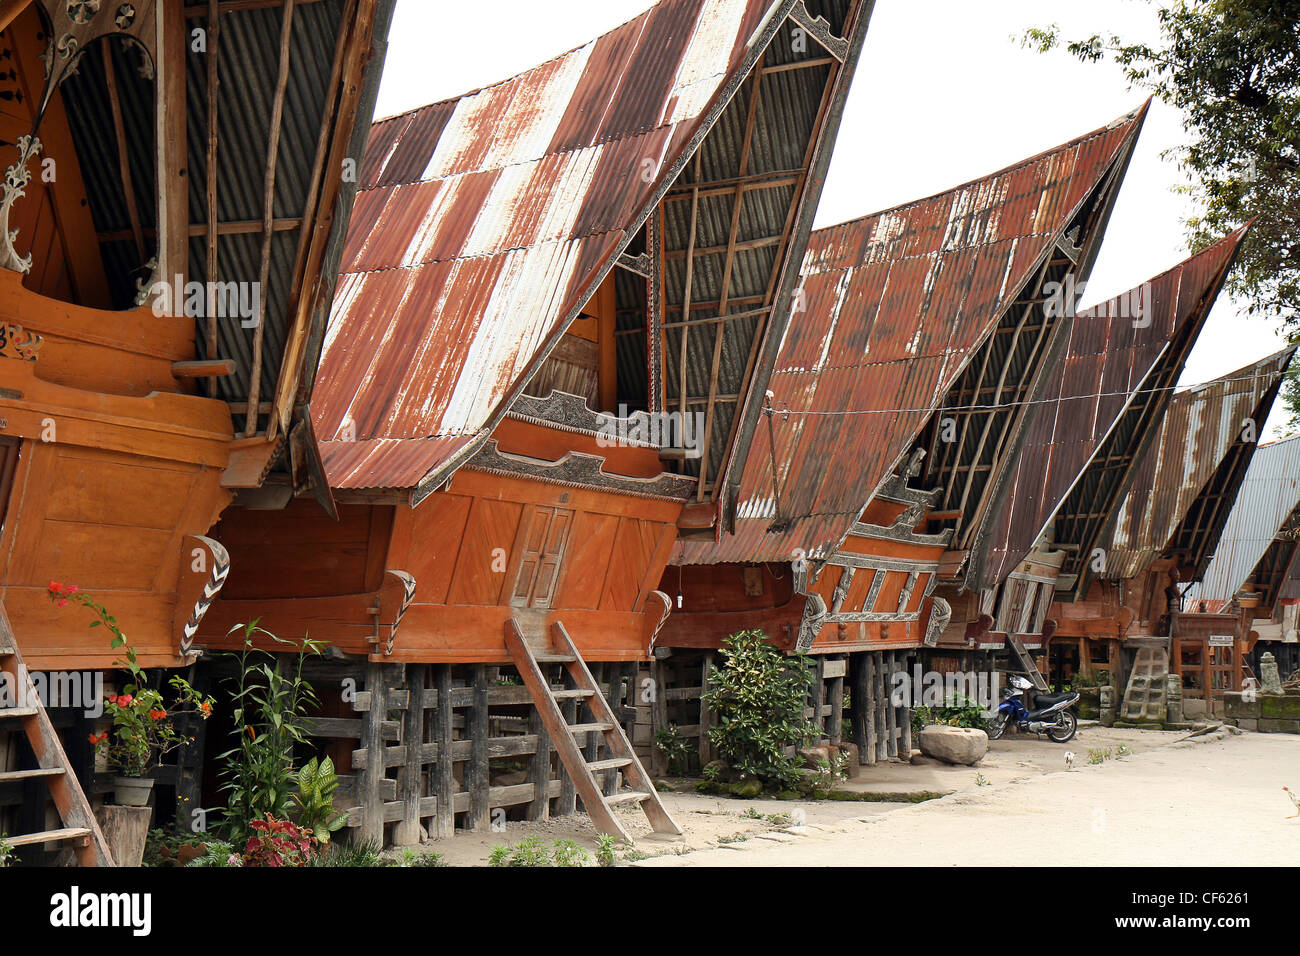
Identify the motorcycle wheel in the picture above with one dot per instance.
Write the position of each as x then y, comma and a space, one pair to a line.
995, 727
1064, 728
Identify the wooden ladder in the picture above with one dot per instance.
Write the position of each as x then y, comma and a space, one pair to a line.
582, 772
1027, 665
80, 828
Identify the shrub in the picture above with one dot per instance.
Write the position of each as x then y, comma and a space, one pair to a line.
605, 845
759, 695
317, 782
270, 714
278, 843
675, 748
7, 855
219, 854
533, 851
355, 854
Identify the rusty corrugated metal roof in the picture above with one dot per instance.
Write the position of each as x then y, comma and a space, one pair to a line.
1108, 357
485, 222
894, 305
1201, 433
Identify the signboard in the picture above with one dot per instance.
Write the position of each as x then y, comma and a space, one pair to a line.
1221, 640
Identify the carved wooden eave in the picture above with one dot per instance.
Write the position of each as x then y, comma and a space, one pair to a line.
578, 470
568, 412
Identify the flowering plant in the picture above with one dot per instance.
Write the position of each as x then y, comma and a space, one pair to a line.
144, 723
278, 843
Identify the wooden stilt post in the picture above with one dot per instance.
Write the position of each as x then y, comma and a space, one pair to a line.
477, 772
891, 712
835, 719
905, 725
869, 661
857, 675
706, 712
410, 784
819, 697
445, 823
882, 705
568, 800
372, 741
539, 769
658, 714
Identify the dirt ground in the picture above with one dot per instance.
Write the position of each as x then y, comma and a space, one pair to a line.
1156, 801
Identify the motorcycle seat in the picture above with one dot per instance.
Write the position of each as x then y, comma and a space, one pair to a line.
1043, 701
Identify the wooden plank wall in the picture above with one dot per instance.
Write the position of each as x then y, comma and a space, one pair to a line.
880, 729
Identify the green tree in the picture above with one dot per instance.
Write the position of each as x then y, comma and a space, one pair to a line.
1232, 67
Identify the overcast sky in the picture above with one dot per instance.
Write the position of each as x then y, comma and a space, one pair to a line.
943, 95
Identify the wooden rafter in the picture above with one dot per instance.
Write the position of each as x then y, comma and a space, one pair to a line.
719, 331
123, 156
268, 208
214, 37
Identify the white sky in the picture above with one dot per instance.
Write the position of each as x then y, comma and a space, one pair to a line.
943, 95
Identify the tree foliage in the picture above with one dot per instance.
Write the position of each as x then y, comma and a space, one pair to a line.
1232, 67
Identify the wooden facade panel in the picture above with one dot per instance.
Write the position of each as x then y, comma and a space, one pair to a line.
634, 546
102, 488
918, 592
583, 581
489, 532
827, 582
426, 543
75, 551
544, 535
890, 592
859, 590
298, 551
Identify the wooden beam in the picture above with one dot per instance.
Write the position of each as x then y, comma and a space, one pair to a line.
268, 208
204, 368
9, 10
172, 145
123, 157
214, 37
236, 6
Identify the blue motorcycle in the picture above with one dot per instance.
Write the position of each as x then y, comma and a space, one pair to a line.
1051, 714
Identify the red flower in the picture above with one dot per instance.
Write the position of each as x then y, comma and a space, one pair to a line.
56, 587
252, 734
97, 739
157, 714
206, 707
112, 698
126, 700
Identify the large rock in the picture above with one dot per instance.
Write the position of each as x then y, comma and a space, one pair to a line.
957, 745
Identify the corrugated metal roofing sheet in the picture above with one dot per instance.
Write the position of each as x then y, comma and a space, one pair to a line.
1200, 428
1269, 493
484, 223
1107, 358
894, 304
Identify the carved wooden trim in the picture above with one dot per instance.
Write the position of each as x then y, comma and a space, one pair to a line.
18, 343
814, 616
408, 595
820, 30
940, 615
211, 588
576, 470
16, 179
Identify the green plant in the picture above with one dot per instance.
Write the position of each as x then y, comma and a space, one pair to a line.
758, 695
358, 853
410, 858
1123, 751
278, 843
982, 781
533, 851
605, 845
317, 782
144, 722
270, 715
711, 772
163, 845
675, 748
7, 855
752, 814
1097, 756
827, 773
780, 820
219, 853
734, 838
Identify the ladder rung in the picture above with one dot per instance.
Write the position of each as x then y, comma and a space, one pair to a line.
49, 836
577, 693
613, 763
589, 728
631, 796
547, 657
10, 712
14, 775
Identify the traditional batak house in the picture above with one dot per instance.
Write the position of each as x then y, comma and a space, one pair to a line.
559, 304
1125, 605
1113, 386
899, 401
172, 211
1251, 581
